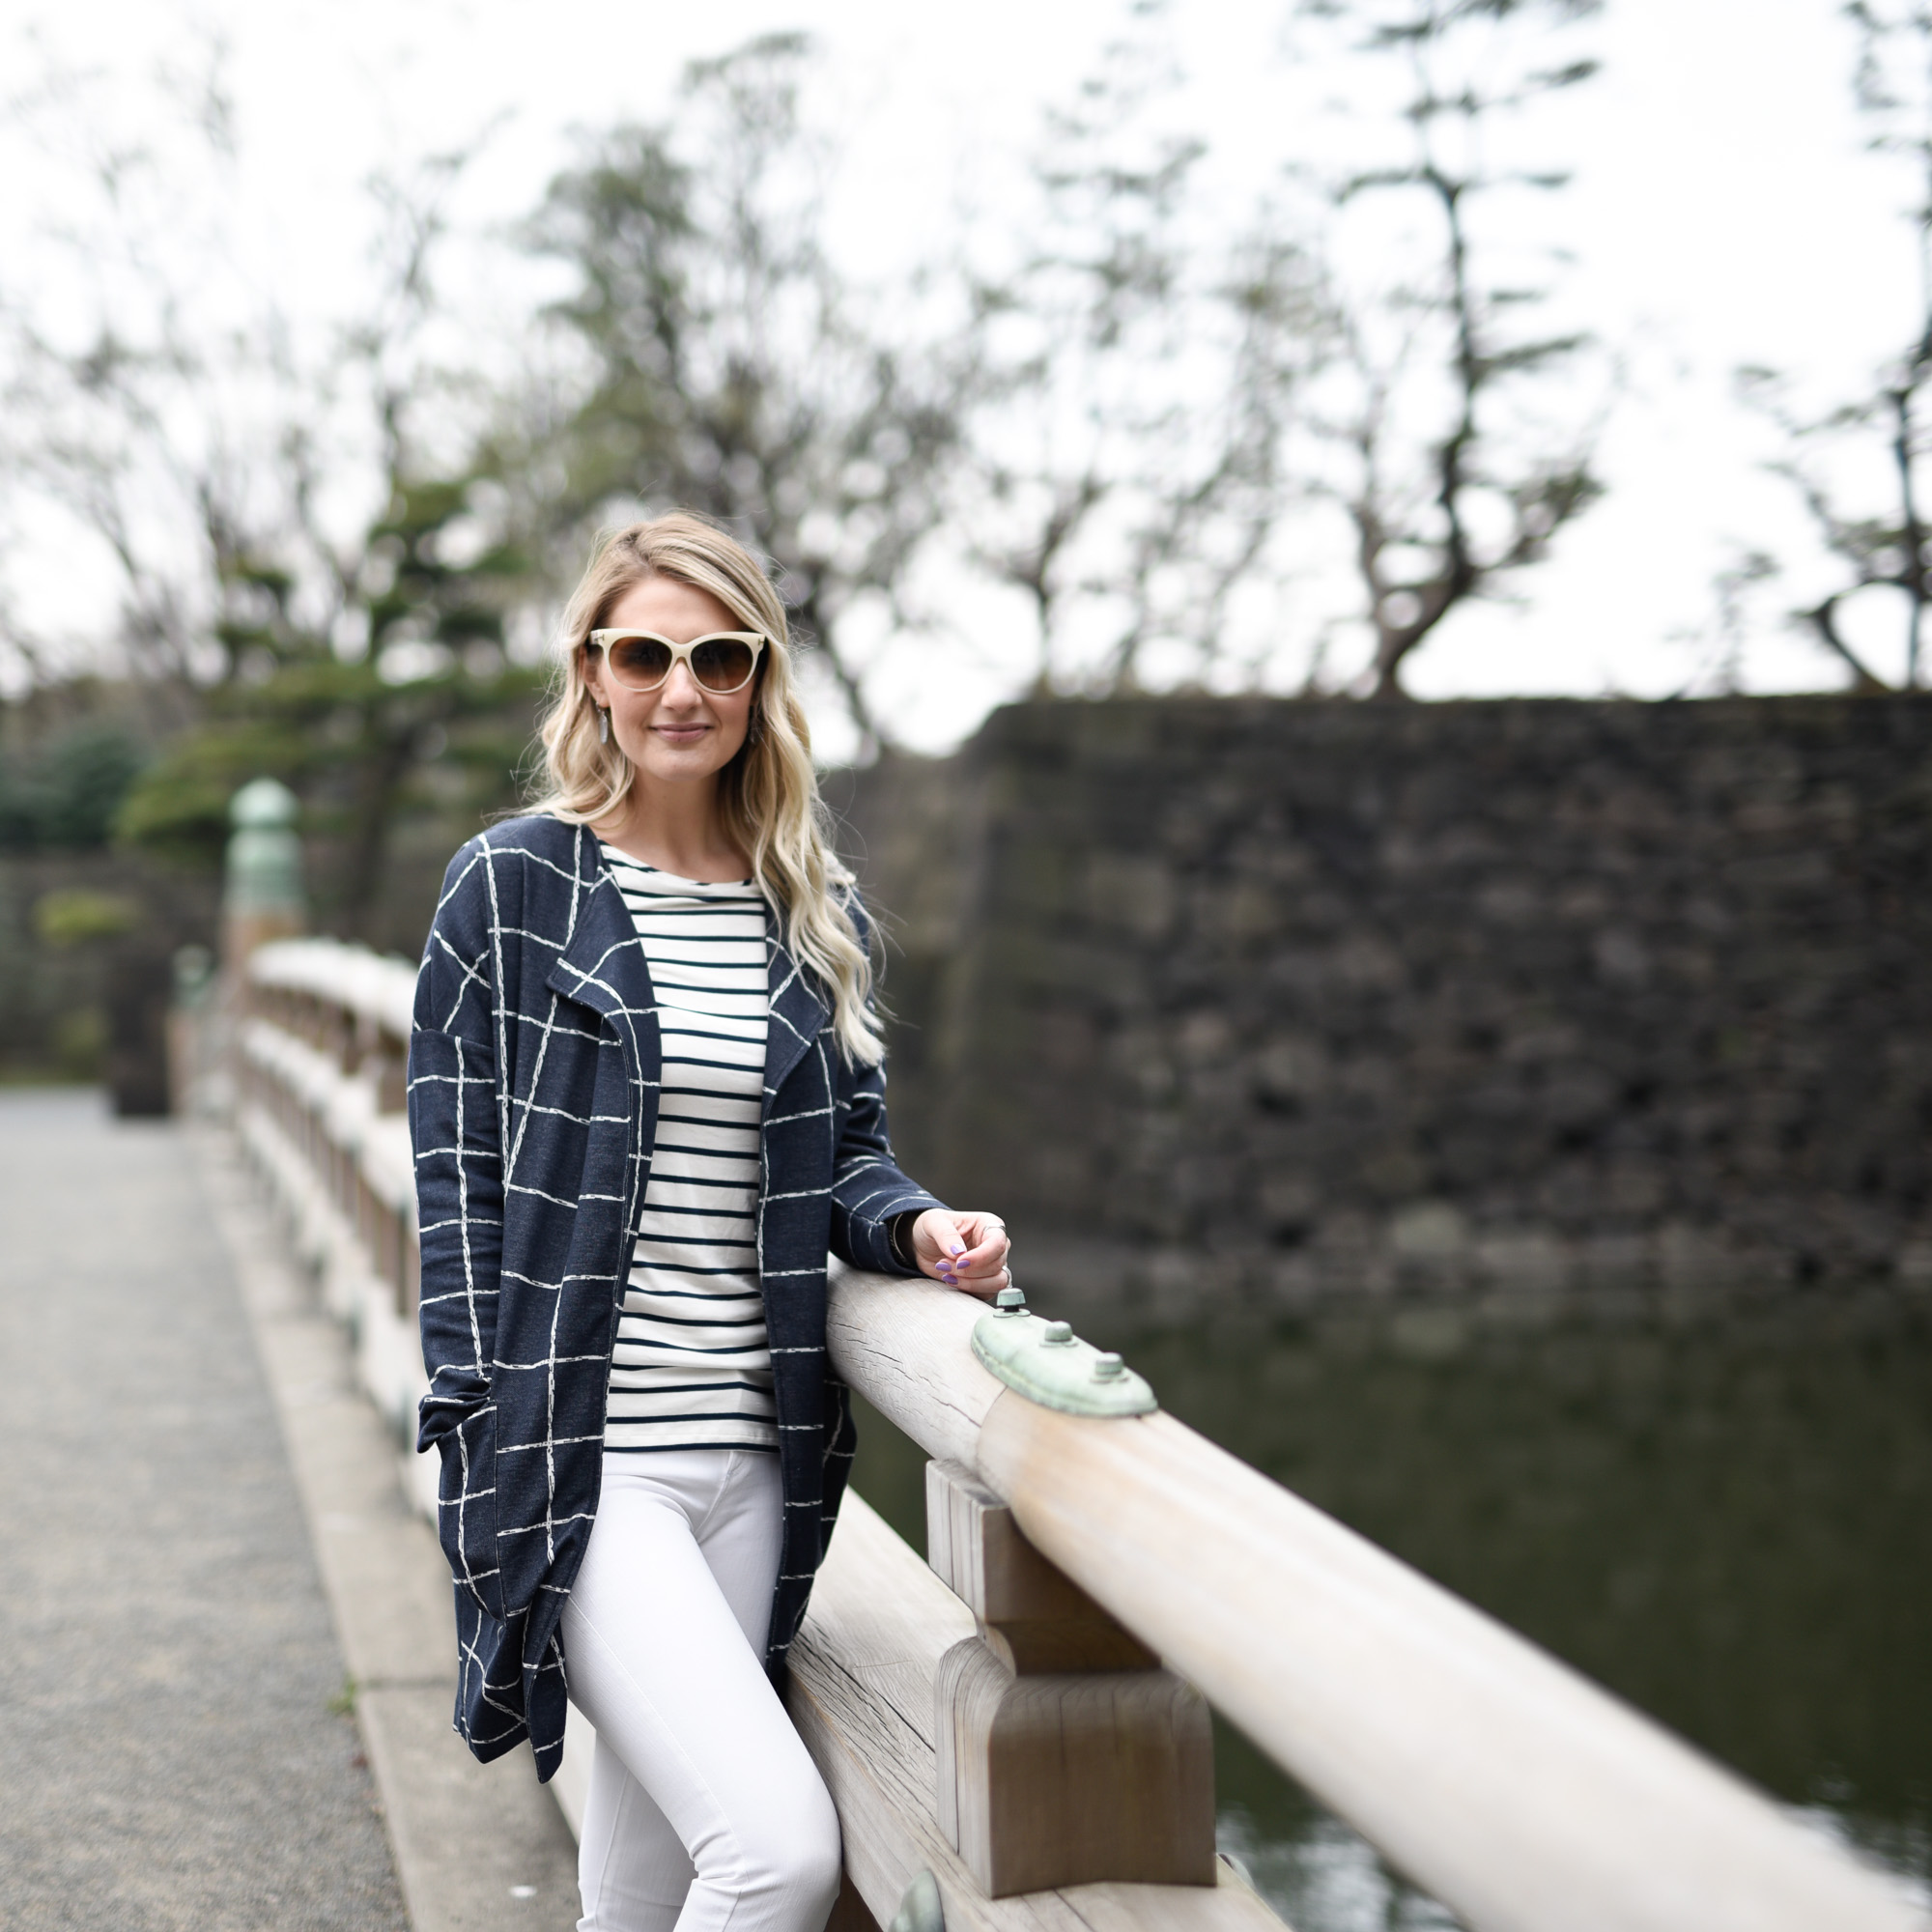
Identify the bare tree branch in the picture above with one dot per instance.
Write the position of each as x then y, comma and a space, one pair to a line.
1421, 552
1886, 551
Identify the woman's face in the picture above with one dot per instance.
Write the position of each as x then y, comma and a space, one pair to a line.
680, 732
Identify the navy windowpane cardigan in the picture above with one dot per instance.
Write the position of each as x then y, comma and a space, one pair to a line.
533, 1084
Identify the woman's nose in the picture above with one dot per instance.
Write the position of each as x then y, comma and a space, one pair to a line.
680, 688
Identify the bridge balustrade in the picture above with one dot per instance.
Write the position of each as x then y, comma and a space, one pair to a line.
1012, 1732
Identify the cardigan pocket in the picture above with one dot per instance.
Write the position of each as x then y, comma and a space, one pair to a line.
465, 1517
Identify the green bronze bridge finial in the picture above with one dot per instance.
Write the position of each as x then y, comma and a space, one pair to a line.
262, 890
264, 872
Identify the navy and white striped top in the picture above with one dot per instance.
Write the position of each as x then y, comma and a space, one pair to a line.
692, 1369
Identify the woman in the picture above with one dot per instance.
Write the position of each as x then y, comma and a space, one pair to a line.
646, 1097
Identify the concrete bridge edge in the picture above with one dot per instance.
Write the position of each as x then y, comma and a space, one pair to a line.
476, 1847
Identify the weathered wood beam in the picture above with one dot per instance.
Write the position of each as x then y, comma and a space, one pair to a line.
862, 1695
1066, 1752
1519, 1793
1031, 1616
906, 1347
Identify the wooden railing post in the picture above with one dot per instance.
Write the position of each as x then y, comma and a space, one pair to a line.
1082, 1540
1065, 1754
392, 1056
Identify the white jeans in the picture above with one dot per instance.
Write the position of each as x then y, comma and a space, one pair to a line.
705, 1812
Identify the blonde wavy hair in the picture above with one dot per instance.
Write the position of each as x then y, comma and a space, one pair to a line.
769, 791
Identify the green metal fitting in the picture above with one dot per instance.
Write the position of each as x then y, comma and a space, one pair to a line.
264, 873
920, 1908
1047, 1363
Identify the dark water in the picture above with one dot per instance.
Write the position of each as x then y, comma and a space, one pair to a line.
1730, 1527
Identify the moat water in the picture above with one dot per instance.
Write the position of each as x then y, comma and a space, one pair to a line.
1729, 1525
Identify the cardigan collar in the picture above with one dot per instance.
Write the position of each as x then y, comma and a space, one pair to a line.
602, 966
796, 1014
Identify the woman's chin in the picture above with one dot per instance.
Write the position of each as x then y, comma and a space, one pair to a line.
682, 764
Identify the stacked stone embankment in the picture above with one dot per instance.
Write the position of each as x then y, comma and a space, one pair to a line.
1267, 1004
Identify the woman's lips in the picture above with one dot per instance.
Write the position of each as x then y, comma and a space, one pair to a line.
680, 734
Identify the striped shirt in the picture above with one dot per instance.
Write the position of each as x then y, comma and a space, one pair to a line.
692, 1368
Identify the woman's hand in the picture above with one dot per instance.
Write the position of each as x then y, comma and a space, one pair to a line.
964, 1249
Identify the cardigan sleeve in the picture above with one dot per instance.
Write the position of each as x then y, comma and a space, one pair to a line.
868, 1190
454, 1128
867, 1187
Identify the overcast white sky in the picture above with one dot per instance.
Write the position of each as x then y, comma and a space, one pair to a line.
1724, 213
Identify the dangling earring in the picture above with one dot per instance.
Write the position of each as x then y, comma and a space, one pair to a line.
603, 724
757, 735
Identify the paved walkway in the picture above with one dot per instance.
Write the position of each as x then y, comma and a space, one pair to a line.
170, 1686
203, 1538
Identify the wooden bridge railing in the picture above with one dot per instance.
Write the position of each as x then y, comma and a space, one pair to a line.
321, 1051
1003, 1751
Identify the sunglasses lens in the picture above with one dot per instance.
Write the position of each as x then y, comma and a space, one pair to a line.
721, 664
640, 662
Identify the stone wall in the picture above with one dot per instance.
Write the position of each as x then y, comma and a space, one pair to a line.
1268, 1003
81, 1003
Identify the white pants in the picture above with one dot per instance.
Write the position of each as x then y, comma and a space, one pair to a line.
705, 1812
